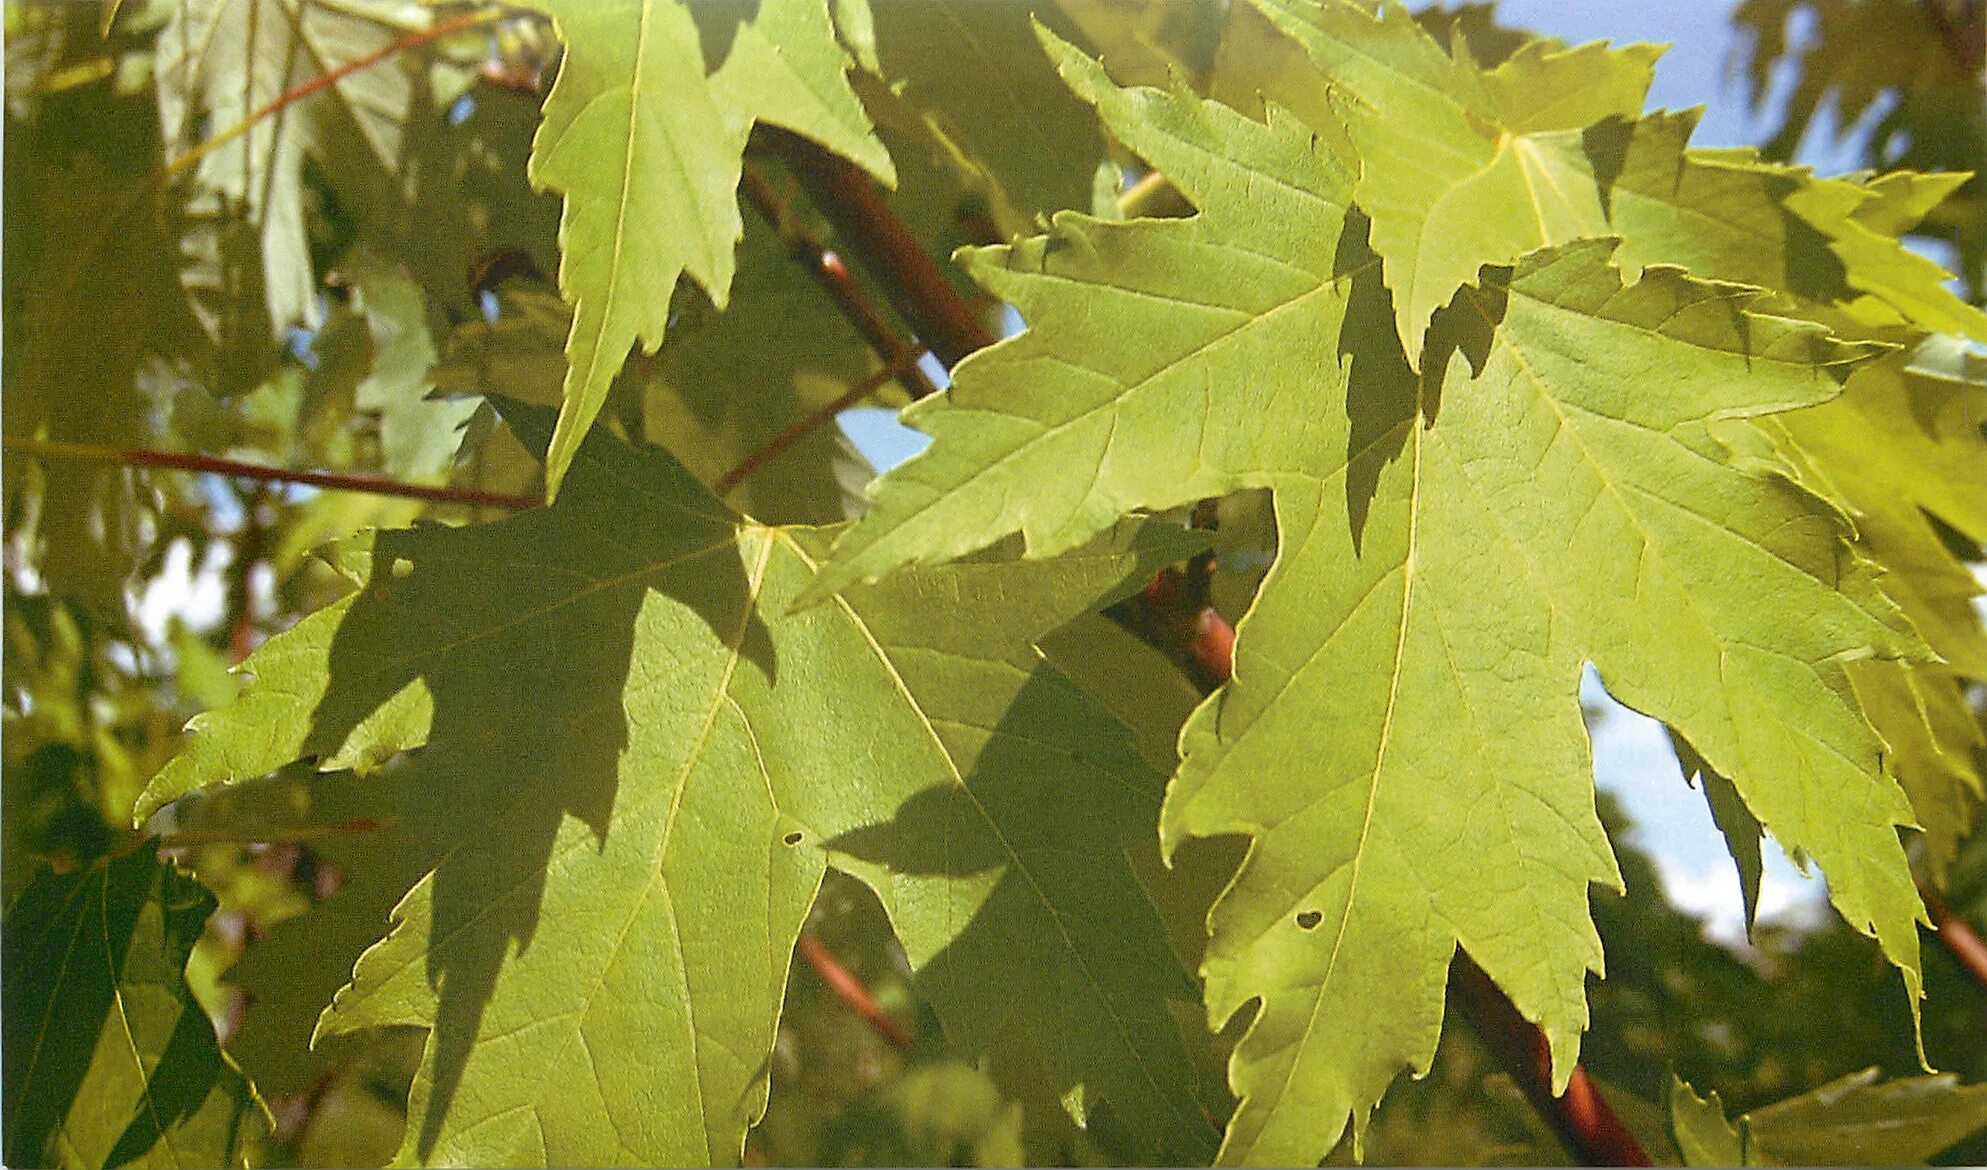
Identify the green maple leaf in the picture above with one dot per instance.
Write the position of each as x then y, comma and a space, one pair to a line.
379, 831
1862, 223
109, 1059
1497, 163
1741, 830
1852, 1120
712, 411
94, 312
993, 114
696, 398
1548, 147
82, 332
1702, 1132
1402, 736
418, 436
646, 149
1902, 452
648, 763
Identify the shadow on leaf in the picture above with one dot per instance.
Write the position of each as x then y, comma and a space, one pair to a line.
514, 688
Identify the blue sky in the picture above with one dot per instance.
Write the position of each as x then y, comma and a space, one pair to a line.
1632, 757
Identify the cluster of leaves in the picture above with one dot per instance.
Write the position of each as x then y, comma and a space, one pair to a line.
1495, 374
1905, 76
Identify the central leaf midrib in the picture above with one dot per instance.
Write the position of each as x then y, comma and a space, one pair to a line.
1380, 756
622, 198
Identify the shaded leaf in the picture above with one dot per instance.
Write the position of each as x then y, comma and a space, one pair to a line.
221, 63
109, 1060
1859, 1119
1497, 163
88, 335
995, 114
1853, 1121
1741, 830
1902, 451
380, 833
418, 436
730, 382
1701, 1132
937, 1115
1546, 148
629, 856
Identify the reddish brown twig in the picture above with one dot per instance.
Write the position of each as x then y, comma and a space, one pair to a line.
916, 286
1956, 934
332, 481
850, 991
330, 77
827, 268
820, 418
1581, 1116
1964, 31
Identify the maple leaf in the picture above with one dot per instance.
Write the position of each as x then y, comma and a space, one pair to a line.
712, 412
1855, 1119
379, 832
1497, 164
647, 765
1902, 452
1862, 222
84, 330
1549, 147
1402, 735
964, 85
696, 399
646, 150
418, 436
1121, 316
110, 1060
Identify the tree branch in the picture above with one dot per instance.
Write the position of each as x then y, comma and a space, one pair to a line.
916, 286
332, 481
1963, 28
800, 430
834, 276
1581, 1116
1956, 933
850, 990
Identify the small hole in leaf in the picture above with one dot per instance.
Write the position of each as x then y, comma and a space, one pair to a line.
1310, 919
791, 838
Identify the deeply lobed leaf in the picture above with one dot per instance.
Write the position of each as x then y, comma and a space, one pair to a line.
1496, 164
646, 149
1460, 167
